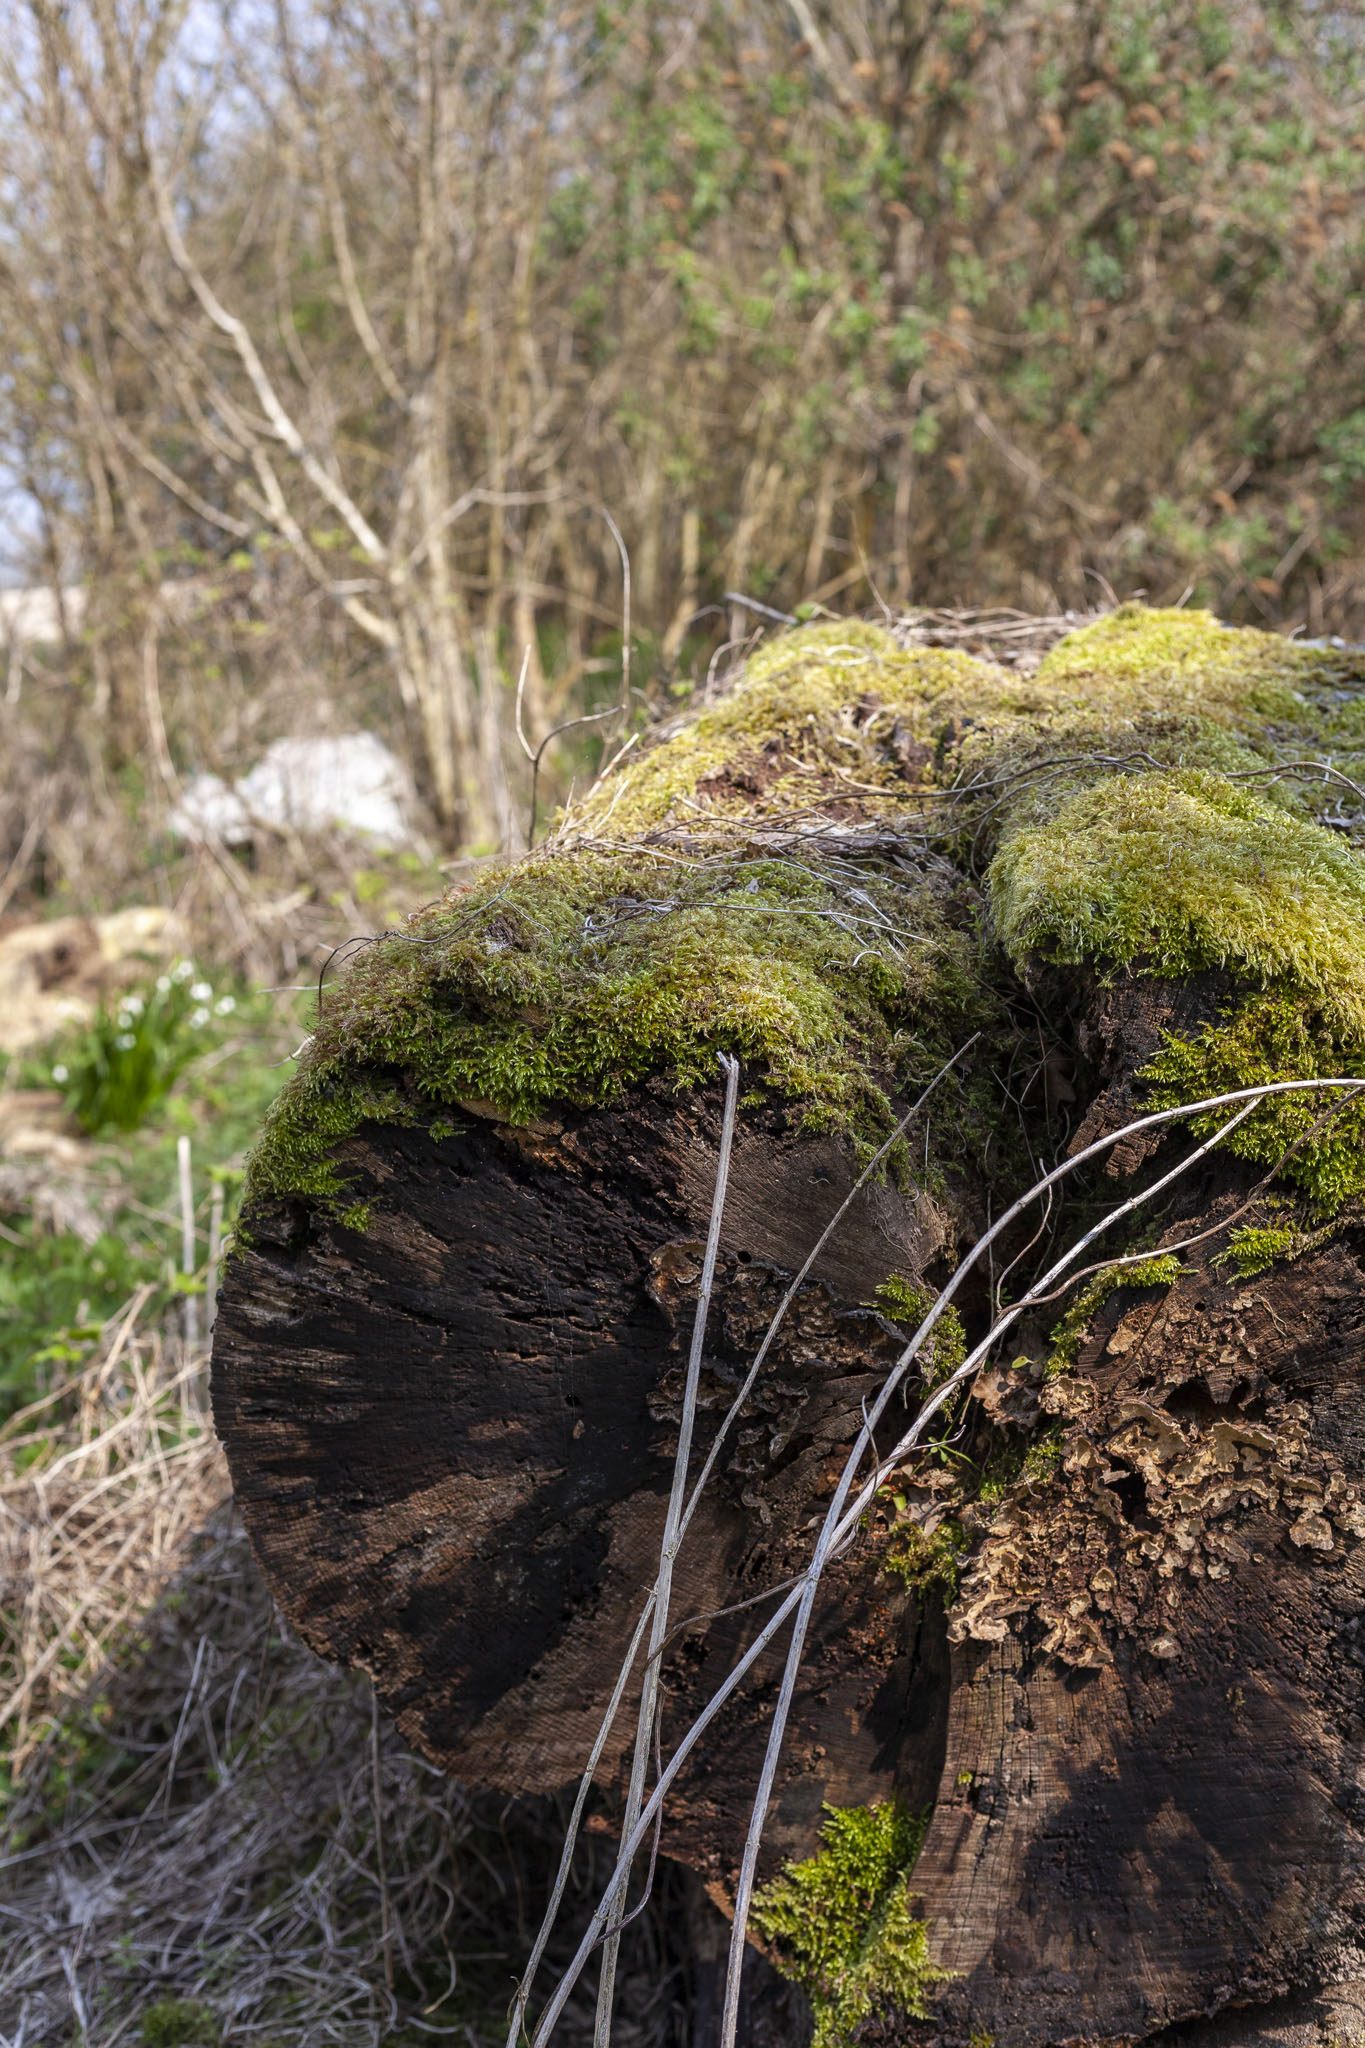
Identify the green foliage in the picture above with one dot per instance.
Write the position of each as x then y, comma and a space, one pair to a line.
923, 1562
179, 2023
841, 1922
906, 1305
116, 1074
1344, 447
1254, 1248
56, 1292
56, 1289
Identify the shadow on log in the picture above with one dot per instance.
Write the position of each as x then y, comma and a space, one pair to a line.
1098, 1641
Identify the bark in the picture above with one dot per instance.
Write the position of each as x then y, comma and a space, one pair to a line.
1137, 1721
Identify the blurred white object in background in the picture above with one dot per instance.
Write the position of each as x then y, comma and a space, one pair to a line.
351, 781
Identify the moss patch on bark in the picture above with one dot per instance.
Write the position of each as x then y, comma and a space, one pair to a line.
842, 1925
569, 978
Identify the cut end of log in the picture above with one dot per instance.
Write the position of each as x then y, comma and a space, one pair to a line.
1101, 1634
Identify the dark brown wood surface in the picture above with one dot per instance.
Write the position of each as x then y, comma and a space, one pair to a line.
1140, 1725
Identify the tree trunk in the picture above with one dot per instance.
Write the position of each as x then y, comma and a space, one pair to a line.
1105, 1634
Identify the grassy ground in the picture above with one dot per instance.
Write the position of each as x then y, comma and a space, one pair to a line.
57, 1288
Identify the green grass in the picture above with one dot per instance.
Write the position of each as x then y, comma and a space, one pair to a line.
55, 1290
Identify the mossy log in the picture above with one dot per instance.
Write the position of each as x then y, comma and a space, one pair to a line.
1092, 1671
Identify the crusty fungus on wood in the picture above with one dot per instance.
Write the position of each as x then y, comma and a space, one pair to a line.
1091, 1670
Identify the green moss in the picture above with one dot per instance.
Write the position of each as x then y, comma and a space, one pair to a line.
1169, 873
575, 975
1274, 1035
842, 1926
1042, 1459
1174, 660
816, 704
1254, 1249
925, 1563
1161, 1270
591, 968
906, 1305
179, 2023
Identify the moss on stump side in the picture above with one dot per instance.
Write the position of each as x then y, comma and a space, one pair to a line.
578, 973
842, 1925
1178, 872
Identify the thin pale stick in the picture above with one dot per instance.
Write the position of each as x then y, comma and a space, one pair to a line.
673, 1530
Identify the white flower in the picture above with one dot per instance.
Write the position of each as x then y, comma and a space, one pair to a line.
134, 1006
202, 992
163, 984
59, 1074
125, 1041
199, 1018
182, 970
225, 1005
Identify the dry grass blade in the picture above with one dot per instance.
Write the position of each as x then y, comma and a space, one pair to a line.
90, 1530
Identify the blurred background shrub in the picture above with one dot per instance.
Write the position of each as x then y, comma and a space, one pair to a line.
334, 330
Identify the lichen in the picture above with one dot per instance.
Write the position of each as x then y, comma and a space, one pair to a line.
567, 979
841, 1923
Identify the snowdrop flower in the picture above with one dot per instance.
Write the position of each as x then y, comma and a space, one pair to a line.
202, 992
125, 1041
225, 1005
163, 984
182, 970
199, 1018
59, 1074
134, 1006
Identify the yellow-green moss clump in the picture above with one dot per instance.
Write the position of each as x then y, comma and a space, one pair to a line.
925, 1563
1170, 873
568, 978
1188, 661
1277, 1034
823, 707
1123, 807
906, 1305
1255, 1247
842, 1926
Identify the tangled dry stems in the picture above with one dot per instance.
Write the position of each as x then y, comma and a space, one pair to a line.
201, 1824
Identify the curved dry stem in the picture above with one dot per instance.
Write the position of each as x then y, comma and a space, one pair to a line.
672, 1534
